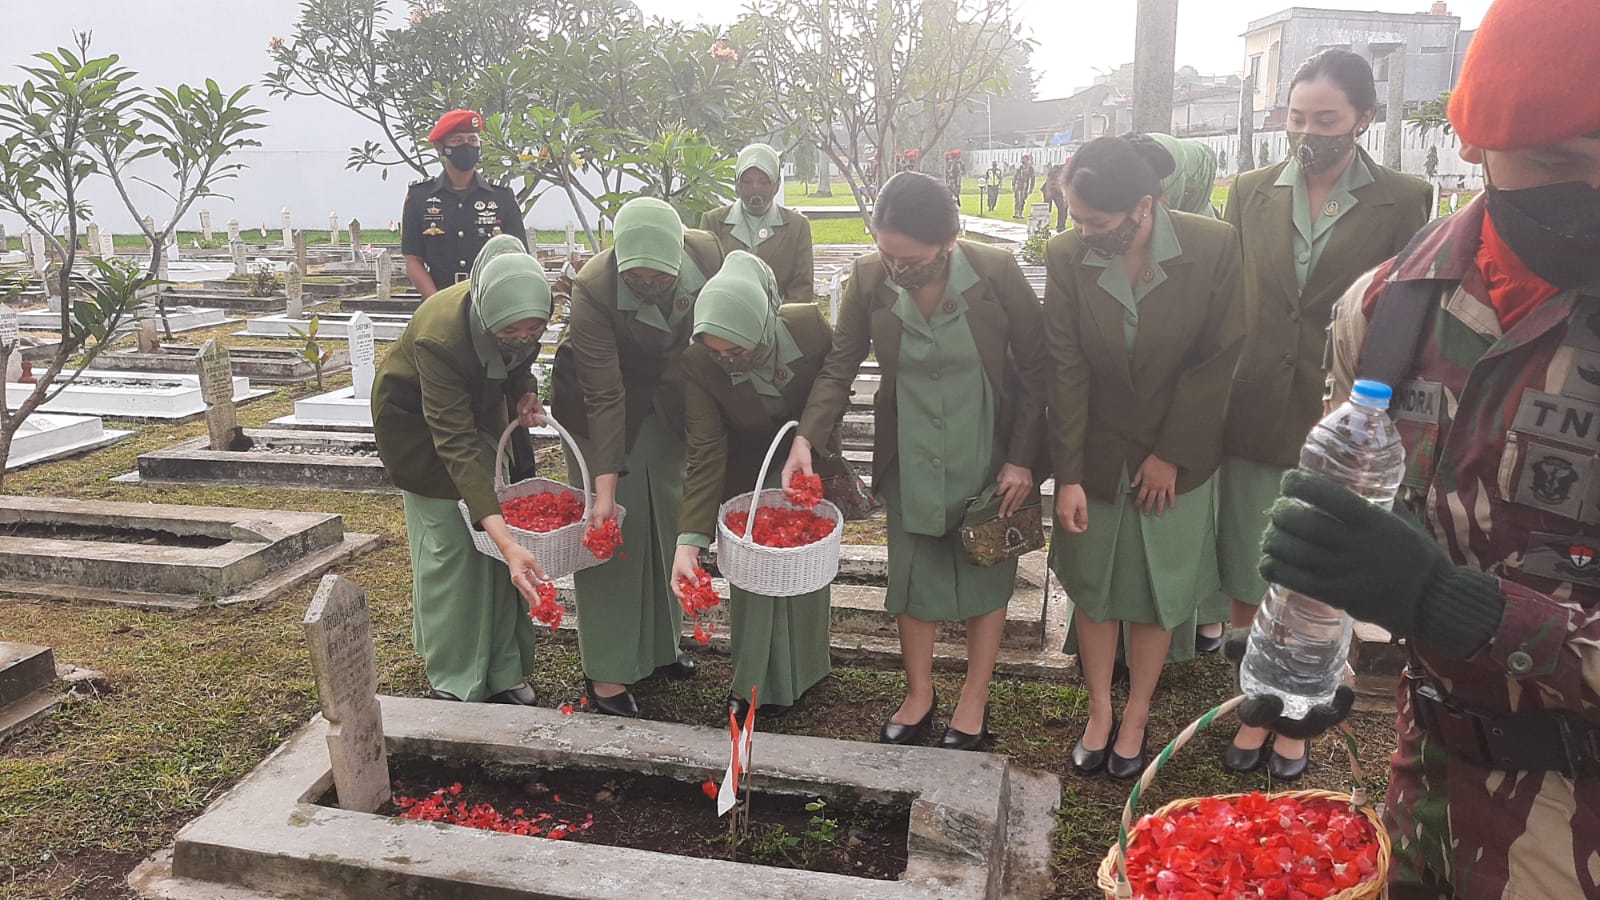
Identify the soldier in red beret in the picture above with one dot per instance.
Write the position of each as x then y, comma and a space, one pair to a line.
1488, 328
448, 219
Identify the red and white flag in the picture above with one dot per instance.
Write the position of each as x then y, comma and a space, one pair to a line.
738, 758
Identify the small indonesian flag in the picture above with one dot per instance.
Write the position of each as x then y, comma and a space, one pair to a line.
739, 757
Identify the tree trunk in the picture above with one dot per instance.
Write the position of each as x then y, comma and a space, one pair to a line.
1155, 46
1247, 125
1394, 130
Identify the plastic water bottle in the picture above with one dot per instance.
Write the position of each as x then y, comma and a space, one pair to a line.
1298, 644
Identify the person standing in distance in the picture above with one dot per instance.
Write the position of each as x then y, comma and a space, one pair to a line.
757, 223
448, 219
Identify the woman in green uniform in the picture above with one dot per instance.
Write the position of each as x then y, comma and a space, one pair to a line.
757, 223
618, 388
1144, 323
438, 409
957, 333
1309, 227
1194, 175
750, 370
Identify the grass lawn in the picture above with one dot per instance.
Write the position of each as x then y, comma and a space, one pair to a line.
193, 701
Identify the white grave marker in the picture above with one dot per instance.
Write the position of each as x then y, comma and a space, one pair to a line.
363, 354
108, 245
37, 253
216, 388
355, 240
338, 626
333, 229
241, 267
94, 239
300, 255
288, 231
385, 275
149, 340
294, 289
205, 225
572, 240
233, 231
9, 345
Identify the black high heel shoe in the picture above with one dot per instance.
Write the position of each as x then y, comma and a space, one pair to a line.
955, 739
1282, 768
1244, 760
1125, 767
680, 669
623, 704
1089, 762
893, 732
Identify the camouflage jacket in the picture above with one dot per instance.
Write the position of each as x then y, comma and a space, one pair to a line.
1502, 436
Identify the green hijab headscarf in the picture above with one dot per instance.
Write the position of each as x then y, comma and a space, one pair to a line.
648, 234
752, 230
507, 286
740, 304
1188, 188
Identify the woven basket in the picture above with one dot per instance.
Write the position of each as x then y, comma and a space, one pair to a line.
1113, 873
561, 551
776, 571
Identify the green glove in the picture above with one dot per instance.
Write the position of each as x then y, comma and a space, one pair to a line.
1266, 710
1325, 541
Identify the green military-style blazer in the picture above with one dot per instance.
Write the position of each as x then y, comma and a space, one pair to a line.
436, 414
1111, 407
727, 428
1007, 325
611, 371
1277, 392
788, 251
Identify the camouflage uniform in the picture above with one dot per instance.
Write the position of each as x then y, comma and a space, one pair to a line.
1021, 188
1502, 433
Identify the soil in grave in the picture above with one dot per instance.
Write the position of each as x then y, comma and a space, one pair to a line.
657, 813
71, 531
330, 448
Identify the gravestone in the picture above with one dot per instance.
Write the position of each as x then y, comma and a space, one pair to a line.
333, 229
338, 627
355, 240
1038, 215
37, 253
4, 246
241, 267
149, 339
108, 245
162, 272
233, 231
205, 225
294, 288
94, 239
385, 275
363, 355
300, 255
288, 231
572, 241
8, 341
216, 388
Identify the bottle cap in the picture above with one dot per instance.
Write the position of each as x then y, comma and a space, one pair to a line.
1375, 394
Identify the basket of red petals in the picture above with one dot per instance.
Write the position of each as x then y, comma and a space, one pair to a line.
790, 546
546, 516
1315, 845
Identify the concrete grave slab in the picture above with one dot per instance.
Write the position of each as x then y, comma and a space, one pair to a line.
43, 437
306, 460
268, 365
162, 556
133, 395
182, 318
385, 326
972, 834
27, 687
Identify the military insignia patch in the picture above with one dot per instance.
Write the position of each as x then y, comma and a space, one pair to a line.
435, 211
494, 204
764, 233
1555, 478
478, 206
949, 306
432, 230
1563, 558
683, 303
782, 375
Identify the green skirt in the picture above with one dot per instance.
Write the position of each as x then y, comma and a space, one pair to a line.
629, 622
1137, 568
1247, 490
930, 578
780, 644
468, 621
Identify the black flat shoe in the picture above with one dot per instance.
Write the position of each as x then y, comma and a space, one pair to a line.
684, 667
959, 740
1282, 768
622, 704
1206, 645
436, 694
739, 709
1125, 767
1089, 762
518, 694
893, 732
1243, 760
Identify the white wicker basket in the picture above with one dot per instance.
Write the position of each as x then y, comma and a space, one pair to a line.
561, 552
776, 571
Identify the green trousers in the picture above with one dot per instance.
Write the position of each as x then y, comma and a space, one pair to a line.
468, 621
629, 622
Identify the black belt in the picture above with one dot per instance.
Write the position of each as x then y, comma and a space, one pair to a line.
1542, 742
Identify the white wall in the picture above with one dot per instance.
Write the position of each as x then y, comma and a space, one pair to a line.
305, 143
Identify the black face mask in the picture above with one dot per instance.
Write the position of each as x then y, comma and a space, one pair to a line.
1553, 229
463, 156
1317, 153
1116, 242
912, 276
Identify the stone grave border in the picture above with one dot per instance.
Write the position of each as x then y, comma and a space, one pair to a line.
979, 826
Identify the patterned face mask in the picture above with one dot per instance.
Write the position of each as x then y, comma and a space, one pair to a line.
912, 276
745, 361
1317, 153
1115, 242
654, 289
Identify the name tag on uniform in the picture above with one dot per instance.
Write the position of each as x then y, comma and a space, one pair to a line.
1561, 418
1418, 401
1563, 558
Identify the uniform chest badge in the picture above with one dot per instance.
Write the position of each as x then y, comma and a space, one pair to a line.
435, 211
433, 200
1331, 208
764, 233
683, 303
1581, 555
432, 230
478, 206
949, 306
494, 204
782, 375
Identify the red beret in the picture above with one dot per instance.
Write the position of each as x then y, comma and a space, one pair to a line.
1530, 78
453, 121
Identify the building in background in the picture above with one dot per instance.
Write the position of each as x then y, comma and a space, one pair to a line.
1275, 46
